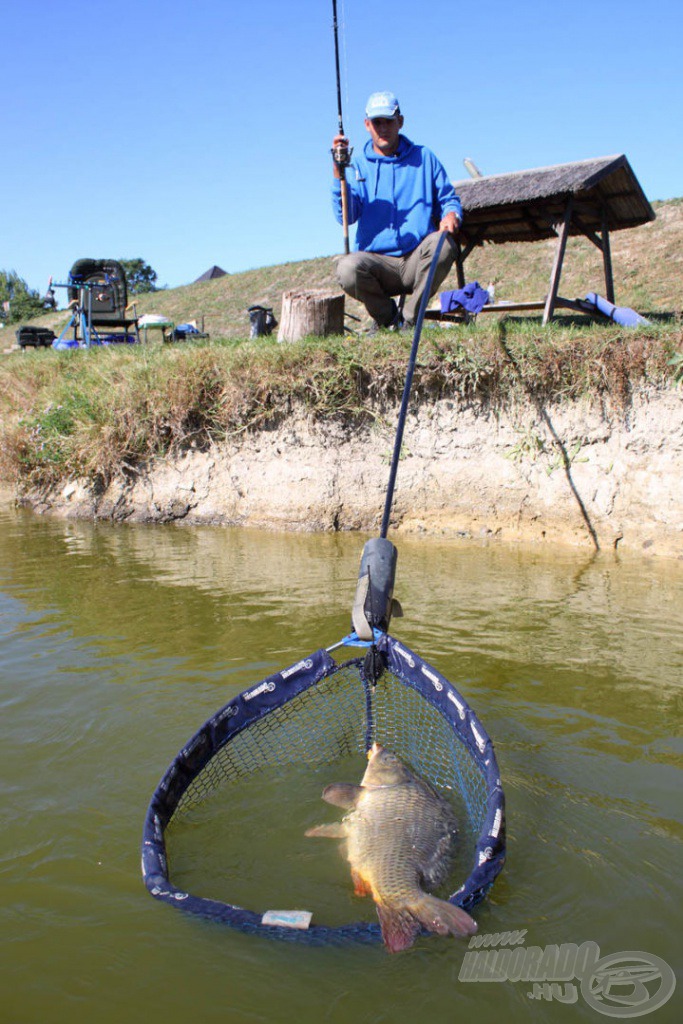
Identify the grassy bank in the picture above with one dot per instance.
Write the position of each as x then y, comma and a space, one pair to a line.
648, 265
99, 412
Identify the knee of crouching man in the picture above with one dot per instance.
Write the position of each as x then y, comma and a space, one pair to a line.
346, 273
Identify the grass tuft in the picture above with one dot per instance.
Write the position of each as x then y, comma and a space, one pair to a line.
103, 412
106, 411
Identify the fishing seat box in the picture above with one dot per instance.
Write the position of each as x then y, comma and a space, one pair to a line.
35, 337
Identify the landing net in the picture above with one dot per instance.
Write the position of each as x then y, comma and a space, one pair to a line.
320, 713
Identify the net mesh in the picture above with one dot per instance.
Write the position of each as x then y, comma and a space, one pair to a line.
412, 727
316, 727
319, 715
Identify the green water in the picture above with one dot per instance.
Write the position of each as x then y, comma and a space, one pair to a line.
116, 643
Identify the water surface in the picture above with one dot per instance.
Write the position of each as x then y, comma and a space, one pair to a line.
117, 642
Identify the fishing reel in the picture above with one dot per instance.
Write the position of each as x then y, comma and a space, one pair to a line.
342, 155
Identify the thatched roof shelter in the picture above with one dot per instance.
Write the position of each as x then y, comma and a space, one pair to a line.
211, 273
588, 197
523, 206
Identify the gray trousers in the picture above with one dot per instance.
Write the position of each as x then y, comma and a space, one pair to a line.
374, 279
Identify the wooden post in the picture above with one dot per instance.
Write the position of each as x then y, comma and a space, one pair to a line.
316, 311
459, 264
607, 259
562, 229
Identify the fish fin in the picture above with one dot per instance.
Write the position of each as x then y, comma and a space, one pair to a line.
436, 869
442, 917
335, 830
360, 886
342, 794
399, 927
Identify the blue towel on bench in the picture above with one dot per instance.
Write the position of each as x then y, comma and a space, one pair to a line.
471, 298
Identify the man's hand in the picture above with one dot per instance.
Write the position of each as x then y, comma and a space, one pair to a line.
450, 223
340, 153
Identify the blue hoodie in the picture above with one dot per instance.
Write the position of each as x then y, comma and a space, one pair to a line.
396, 201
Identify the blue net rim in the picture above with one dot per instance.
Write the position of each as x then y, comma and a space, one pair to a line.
258, 701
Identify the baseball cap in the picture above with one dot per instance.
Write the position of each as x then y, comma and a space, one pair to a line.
382, 104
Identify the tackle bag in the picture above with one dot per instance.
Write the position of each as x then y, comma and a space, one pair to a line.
35, 337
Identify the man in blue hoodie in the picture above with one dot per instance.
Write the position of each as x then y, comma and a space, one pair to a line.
400, 198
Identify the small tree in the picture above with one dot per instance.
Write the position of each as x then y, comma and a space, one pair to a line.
139, 276
17, 300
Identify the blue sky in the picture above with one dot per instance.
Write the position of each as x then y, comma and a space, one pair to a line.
198, 132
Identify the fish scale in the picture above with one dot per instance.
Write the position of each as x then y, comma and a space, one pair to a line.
393, 836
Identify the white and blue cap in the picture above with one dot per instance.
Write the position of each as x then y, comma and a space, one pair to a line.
382, 104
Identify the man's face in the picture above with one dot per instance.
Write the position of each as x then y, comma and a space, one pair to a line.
384, 132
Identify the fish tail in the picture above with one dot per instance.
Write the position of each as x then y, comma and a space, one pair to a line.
442, 917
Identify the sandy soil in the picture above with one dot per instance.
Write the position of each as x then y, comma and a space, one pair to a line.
586, 475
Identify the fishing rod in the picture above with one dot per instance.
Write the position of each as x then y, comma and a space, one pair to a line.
341, 154
374, 603
408, 384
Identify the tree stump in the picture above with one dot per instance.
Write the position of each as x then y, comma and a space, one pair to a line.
316, 311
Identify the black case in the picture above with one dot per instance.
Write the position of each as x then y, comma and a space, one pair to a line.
36, 337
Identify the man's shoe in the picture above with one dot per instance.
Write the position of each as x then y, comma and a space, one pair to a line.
396, 321
400, 325
396, 324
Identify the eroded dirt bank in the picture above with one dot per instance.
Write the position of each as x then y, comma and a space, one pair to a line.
584, 474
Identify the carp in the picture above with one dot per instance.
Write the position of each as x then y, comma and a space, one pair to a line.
399, 837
